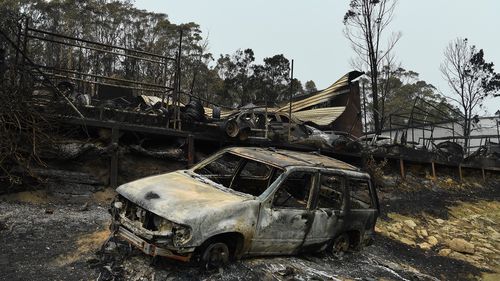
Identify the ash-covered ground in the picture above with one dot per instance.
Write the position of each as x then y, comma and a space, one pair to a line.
50, 236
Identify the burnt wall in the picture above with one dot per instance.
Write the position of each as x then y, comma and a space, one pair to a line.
350, 120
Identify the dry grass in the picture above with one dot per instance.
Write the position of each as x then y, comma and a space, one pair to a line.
86, 244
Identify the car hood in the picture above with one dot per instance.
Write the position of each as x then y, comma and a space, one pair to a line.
179, 196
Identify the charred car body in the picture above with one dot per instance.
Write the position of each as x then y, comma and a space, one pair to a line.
250, 122
248, 201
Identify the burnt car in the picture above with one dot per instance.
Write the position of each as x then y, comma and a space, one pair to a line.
252, 122
246, 202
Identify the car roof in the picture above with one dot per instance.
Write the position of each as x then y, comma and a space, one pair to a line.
285, 158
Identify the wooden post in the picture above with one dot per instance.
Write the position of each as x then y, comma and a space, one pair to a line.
433, 170
402, 168
290, 104
113, 173
484, 174
190, 158
460, 171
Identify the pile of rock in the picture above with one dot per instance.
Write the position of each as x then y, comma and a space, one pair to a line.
470, 234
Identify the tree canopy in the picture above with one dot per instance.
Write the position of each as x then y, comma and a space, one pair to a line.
232, 81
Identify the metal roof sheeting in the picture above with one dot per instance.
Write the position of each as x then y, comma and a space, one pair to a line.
320, 116
321, 97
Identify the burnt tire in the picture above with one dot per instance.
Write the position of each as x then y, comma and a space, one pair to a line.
232, 129
340, 245
214, 255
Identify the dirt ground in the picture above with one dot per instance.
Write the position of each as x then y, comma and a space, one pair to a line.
46, 236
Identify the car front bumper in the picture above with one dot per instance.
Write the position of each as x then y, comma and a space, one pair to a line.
150, 249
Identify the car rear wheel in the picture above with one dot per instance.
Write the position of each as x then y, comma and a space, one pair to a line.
215, 255
340, 245
232, 129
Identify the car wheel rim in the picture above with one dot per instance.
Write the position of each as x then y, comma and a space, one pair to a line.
232, 129
216, 255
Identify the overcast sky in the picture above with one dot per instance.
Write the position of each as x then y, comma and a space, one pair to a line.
310, 32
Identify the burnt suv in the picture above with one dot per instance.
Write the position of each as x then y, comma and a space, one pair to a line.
248, 201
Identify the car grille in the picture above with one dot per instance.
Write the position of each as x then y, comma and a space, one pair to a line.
139, 215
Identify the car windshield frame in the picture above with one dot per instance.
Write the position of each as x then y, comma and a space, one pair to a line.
272, 177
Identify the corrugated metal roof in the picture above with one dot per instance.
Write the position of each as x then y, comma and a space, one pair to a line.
152, 100
320, 97
320, 116
223, 113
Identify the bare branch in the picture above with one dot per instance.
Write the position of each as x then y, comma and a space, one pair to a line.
365, 24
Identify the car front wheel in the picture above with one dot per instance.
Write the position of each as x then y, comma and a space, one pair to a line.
215, 255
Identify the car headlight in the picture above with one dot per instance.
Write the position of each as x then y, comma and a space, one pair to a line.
182, 234
162, 225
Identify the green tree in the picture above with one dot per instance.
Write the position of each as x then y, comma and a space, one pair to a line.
310, 87
115, 23
277, 69
236, 70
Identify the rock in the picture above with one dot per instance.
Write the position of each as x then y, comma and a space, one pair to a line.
394, 236
410, 223
444, 252
449, 182
422, 233
432, 240
495, 235
439, 221
488, 245
425, 246
462, 246
485, 250
409, 231
397, 226
407, 241
476, 234
467, 258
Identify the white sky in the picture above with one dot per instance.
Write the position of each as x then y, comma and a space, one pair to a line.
310, 32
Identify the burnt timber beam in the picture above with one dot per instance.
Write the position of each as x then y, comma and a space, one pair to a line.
113, 173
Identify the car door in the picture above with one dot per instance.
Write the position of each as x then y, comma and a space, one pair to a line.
363, 206
330, 208
285, 217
